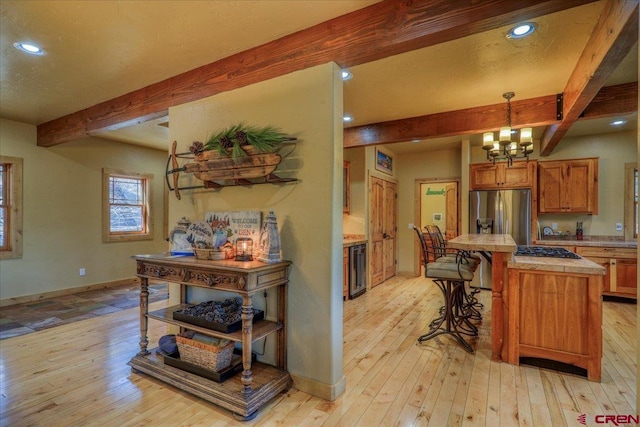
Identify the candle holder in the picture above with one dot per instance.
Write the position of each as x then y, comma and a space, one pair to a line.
244, 249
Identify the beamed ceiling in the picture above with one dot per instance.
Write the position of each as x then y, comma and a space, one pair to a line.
431, 70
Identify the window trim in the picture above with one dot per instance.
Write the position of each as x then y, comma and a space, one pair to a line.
629, 201
15, 195
107, 236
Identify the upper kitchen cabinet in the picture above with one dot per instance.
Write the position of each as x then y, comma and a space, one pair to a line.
498, 176
568, 186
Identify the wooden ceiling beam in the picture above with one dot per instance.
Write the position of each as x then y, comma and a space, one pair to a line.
612, 38
383, 29
539, 111
613, 100
610, 101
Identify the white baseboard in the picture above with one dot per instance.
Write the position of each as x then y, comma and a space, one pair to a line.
321, 390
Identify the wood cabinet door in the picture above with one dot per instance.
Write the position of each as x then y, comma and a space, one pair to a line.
485, 176
569, 186
581, 194
550, 186
626, 277
345, 273
519, 175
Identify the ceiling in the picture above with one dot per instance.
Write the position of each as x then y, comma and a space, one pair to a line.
97, 51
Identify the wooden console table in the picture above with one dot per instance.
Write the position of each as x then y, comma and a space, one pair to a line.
259, 382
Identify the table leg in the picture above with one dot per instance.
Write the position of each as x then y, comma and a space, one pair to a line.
247, 334
144, 309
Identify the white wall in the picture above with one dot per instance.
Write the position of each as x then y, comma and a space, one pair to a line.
442, 164
307, 104
62, 212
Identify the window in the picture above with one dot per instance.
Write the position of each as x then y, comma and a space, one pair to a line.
631, 201
10, 207
126, 210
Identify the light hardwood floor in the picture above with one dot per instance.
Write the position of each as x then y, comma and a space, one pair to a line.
77, 375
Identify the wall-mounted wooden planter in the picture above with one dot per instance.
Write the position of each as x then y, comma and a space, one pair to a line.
218, 171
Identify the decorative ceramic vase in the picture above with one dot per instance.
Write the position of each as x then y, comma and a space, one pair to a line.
269, 248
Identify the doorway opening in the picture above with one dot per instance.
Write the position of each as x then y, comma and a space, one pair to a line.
437, 203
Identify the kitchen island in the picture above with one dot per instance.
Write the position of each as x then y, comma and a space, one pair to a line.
501, 247
542, 307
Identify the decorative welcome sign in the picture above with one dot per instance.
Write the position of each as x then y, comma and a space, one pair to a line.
228, 226
431, 192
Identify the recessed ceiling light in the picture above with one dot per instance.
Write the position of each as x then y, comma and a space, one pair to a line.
521, 30
29, 48
347, 118
346, 75
618, 122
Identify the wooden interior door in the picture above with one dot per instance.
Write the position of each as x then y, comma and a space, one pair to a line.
390, 229
376, 230
383, 229
451, 214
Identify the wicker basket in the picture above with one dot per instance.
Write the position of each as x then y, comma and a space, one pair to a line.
207, 356
214, 254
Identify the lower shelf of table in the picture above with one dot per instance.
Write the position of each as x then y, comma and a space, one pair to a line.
267, 382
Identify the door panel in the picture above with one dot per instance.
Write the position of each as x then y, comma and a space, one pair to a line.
382, 230
389, 236
376, 231
451, 204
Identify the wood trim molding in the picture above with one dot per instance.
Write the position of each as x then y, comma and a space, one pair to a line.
68, 291
612, 38
383, 29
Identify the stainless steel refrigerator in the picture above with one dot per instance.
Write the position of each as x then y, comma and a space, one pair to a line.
499, 212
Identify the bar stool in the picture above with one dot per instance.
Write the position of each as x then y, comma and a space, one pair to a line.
450, 277
448, 254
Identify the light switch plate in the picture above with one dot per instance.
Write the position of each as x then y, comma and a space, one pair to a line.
554, 225
618, 226
410, 226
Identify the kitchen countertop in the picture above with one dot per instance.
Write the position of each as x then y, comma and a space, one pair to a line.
484, 242
353, 242
594, 243
562, 265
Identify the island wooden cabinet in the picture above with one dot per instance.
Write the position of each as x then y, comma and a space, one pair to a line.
568, 186
621, 264
345, 273
498, 176
259, 382
557, 316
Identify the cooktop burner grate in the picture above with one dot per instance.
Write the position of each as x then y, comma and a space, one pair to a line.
545, 251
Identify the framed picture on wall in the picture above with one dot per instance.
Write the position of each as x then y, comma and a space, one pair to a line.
384, 162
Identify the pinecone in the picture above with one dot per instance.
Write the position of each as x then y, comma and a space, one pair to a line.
197, 147
241, 137
226, 142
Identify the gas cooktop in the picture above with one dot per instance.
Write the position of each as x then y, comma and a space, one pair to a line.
545, 251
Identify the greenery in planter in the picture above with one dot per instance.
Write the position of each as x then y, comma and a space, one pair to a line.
229, 142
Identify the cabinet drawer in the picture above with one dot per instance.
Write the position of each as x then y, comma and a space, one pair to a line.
590, 251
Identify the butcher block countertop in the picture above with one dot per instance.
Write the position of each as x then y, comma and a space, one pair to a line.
561, 265
593, 243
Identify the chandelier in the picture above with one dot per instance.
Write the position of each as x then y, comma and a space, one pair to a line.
505, 148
